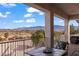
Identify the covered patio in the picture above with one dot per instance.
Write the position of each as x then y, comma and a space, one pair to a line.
66, 11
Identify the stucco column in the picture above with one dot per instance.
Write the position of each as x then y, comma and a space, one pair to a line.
49, 29
67, 30
78, 27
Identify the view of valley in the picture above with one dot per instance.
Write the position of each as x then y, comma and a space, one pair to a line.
22, 34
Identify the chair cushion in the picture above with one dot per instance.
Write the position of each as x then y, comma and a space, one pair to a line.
61, 45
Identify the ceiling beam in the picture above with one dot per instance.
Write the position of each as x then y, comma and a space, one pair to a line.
41, 6
74, 16
58, 11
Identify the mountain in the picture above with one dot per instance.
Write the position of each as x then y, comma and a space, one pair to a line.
56, 28
31, 28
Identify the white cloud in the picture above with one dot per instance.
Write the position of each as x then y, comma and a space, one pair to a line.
60, 21
18, 21
8, 12
27, 15
74, 22
41, 13
31, 10
7, 4
31, 20
11, 4
3, 16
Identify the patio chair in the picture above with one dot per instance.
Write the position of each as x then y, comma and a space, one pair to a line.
63, 46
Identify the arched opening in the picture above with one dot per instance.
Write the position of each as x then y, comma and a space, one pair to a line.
58, 30
74, 31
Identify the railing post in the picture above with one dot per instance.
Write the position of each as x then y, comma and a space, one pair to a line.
15, 48
9, 48
23, 47
1, 49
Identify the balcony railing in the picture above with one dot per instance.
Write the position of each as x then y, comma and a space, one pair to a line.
16, 47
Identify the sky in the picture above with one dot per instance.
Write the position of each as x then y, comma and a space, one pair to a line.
59, 21
19, 15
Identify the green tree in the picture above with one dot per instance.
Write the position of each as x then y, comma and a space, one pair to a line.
38, 37
72, 29
57, 36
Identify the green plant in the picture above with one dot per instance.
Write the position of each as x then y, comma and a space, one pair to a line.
72, 29
37, 37
6, 35
57, 35
61, 45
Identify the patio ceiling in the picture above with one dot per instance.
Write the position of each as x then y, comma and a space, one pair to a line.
65, 10
70, 9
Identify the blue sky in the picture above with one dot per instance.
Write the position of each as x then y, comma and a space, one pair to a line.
20, 15
58, 21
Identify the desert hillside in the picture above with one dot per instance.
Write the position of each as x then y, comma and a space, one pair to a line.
15, 34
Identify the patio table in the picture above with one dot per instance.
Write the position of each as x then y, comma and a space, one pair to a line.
39, 52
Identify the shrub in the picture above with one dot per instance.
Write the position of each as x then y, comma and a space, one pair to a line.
6, 35
57, 35
37, 37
